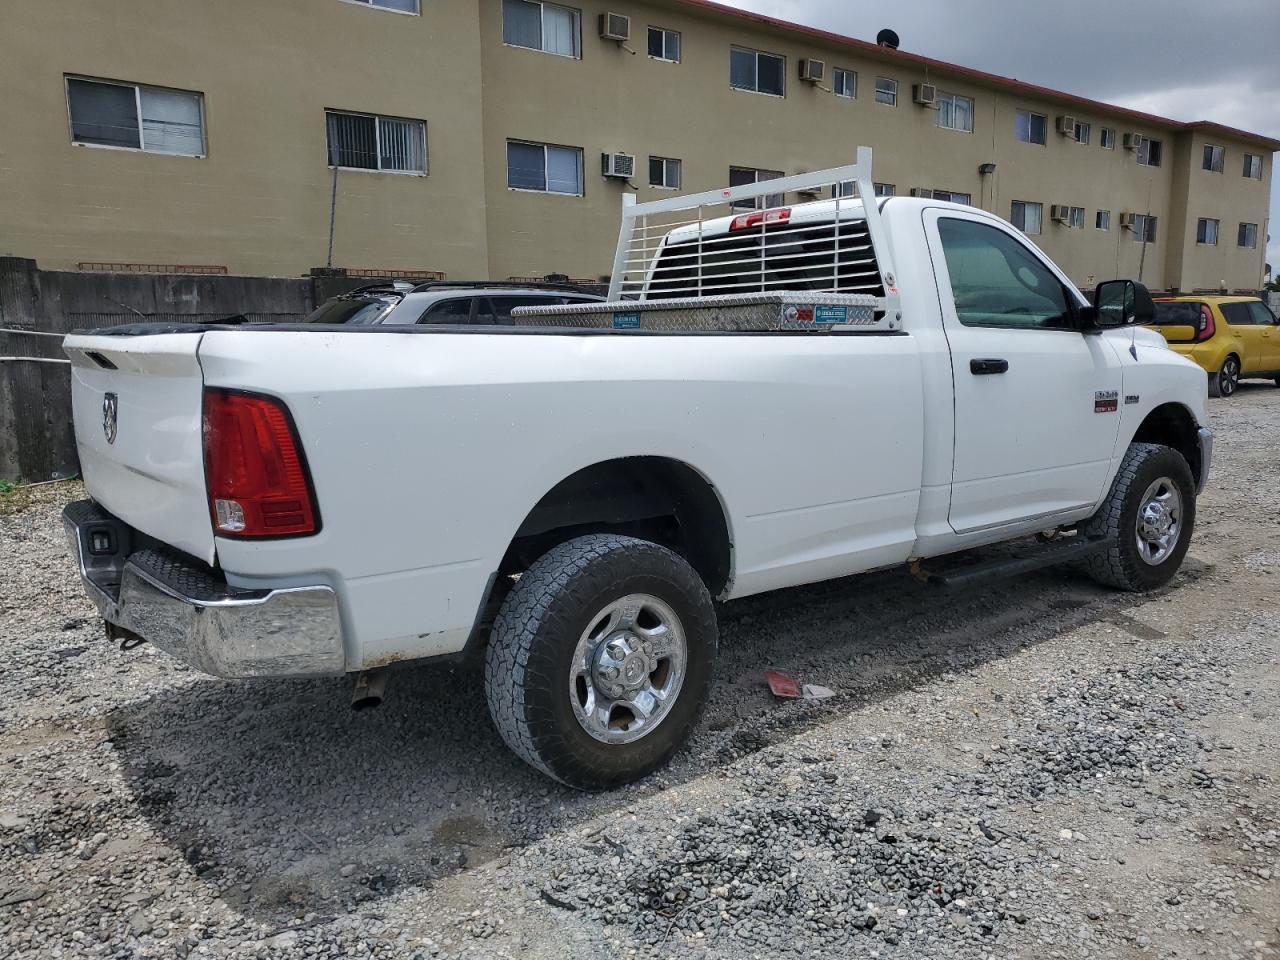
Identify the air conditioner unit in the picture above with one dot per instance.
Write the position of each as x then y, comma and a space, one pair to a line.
925, 94
620, 165
813, 70
1067, 126
1128, 221
924, 192
1060, 213
615, 26
1131, 141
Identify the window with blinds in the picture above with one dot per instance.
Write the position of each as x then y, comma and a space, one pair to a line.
135, 117
361, 141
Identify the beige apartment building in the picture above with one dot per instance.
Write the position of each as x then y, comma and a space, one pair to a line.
466, 137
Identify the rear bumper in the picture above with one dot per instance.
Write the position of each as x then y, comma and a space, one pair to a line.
186, 610
1204, 437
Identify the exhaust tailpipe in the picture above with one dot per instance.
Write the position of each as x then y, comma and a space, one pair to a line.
368, 690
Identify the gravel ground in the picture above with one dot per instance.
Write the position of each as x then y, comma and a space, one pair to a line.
1040, 768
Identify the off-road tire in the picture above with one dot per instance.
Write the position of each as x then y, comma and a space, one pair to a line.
533, 642
1120, 566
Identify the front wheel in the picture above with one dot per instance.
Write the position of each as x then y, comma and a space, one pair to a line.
1147, 520
600, 660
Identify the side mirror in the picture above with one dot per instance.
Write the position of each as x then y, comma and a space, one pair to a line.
1118, 303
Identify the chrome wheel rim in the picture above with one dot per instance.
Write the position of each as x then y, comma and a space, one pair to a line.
627, 668
1159, 523
1229, 378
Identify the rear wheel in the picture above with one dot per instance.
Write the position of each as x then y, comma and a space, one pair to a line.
1147, 520
1226, 381
600, 660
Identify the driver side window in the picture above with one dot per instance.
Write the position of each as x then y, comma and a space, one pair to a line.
998, 282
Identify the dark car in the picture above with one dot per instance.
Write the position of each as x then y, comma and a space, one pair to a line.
443, 301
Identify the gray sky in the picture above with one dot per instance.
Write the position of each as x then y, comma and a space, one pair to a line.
1184, 59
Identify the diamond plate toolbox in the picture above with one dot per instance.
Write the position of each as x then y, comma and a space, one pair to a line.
774, 311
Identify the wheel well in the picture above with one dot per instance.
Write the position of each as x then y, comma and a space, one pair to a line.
654, 498
1172, 425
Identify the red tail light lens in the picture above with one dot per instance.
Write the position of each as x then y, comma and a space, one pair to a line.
253, 467
748, 220
1206, 323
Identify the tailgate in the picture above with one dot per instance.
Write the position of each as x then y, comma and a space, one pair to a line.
137, 403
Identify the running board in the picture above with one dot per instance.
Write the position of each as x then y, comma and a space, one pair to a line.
1074, 548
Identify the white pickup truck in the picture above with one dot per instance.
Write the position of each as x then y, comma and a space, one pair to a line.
770, 397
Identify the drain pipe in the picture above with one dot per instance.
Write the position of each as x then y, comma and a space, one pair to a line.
368, 690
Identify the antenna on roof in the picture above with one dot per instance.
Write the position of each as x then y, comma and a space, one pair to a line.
887, 38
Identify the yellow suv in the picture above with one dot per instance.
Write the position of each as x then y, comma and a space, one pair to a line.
1231, 337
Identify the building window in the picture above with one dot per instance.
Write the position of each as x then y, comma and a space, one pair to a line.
887, 91
361, 141
948, 196
1213, 158
542, 26
1144, 228
1026, 216
1030, 127
846, 188
955, 112
400, 6
1107, 137
1207, 232
1253, 166
136, 118
1081, 132
664, 172
740, 176
756, 71
1149, 151
664, 44
540, 166
844, 83
1075, 217
1247, 236
1103, 220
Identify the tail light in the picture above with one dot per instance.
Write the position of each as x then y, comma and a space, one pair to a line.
748, 220
1206, 323
254, 469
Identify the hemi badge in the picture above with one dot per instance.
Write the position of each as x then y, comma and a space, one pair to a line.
1130, 398
1106, 401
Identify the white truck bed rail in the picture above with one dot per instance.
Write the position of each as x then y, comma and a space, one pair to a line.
666, 249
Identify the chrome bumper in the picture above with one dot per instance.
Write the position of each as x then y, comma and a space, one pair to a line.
187, 611
1204, 437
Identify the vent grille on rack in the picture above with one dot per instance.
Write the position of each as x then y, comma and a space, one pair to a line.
821, 256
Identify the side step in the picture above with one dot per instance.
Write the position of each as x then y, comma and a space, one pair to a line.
1074, 548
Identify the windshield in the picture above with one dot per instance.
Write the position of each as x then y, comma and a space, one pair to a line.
349, 311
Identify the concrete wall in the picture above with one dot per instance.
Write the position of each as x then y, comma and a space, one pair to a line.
259, 201
37, 307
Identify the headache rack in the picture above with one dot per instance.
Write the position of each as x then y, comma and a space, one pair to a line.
740, 259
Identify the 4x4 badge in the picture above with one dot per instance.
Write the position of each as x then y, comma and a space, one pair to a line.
109, 406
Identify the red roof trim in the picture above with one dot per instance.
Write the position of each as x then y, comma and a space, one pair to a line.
980, 76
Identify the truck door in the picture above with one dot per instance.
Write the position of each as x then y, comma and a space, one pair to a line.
1036, 401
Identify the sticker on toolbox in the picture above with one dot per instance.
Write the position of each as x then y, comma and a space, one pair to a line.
626, 321
831, 313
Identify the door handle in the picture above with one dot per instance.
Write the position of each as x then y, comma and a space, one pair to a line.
982, 366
